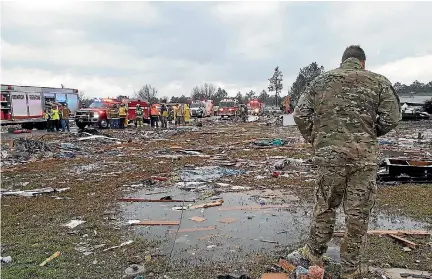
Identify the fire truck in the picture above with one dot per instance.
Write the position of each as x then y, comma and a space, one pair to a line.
255, 107
25, 105
202, 108
228, 108
97, 113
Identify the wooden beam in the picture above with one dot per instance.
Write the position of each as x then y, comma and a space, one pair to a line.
404, 241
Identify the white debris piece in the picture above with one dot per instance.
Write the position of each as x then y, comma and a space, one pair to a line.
73, 223
7, 259
118, 246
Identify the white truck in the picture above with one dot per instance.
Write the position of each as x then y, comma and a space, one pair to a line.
25, 105
201, 108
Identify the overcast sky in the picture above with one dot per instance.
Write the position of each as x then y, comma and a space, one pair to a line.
112, 48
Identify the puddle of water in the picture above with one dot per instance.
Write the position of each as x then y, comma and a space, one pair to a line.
210, 173
250, 232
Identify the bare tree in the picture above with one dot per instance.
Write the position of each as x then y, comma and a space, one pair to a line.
205, 91
147, 93
83, 99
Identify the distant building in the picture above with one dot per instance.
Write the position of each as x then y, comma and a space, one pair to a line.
415, 99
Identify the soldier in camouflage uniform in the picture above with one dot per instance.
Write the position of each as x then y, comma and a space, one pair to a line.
341, 114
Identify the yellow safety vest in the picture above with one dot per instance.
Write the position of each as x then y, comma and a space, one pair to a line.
122, 111
47, 115
55, 114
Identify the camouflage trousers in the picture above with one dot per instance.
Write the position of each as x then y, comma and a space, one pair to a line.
355, 187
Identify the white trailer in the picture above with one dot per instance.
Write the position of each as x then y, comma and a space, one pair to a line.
25, 105
201, 108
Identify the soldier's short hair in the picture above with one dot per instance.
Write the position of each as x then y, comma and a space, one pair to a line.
354, 51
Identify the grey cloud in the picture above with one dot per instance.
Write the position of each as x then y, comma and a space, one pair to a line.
194, 44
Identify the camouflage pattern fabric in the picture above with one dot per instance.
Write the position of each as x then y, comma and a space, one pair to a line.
341, 114
355, 187
344, 111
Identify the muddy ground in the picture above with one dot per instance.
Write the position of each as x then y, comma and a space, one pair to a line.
237, 240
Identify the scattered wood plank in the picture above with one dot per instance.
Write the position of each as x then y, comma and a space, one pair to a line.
156, 223
227, 220
148, 200
52, 257
274, 276
210, 204
159, 178
405, 241
197, 219
394, 232
286, 266
254, 207
198, 229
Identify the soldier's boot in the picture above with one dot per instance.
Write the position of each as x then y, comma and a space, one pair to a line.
304, 257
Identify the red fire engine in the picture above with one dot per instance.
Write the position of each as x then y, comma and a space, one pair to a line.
228, 108
97, 113
255, 107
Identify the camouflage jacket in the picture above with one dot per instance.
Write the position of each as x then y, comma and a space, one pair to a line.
343, 111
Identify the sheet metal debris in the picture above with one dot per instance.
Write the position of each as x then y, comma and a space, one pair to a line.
34, 192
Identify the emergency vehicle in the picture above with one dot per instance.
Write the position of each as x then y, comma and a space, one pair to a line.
255, 107
202, 108
228, 107
97, 113
26, 105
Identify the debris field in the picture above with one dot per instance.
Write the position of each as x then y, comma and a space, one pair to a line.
198, 201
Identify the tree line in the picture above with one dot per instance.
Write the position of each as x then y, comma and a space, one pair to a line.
305, 76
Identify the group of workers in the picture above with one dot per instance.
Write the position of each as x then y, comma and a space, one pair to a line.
57, 115
118, 115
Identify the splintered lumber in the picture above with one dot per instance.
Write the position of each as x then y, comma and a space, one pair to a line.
254, 207
148, 200
210, 204
198, 229
394, 232
52, 257
404, 241
286, 266
156, 223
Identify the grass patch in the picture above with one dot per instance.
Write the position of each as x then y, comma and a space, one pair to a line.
413, 200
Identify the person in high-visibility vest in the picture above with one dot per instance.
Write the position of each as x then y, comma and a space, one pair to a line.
55, 115
122, 114
164, 116
154, 114
48, 118
114, 117
186, 113
139, 114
